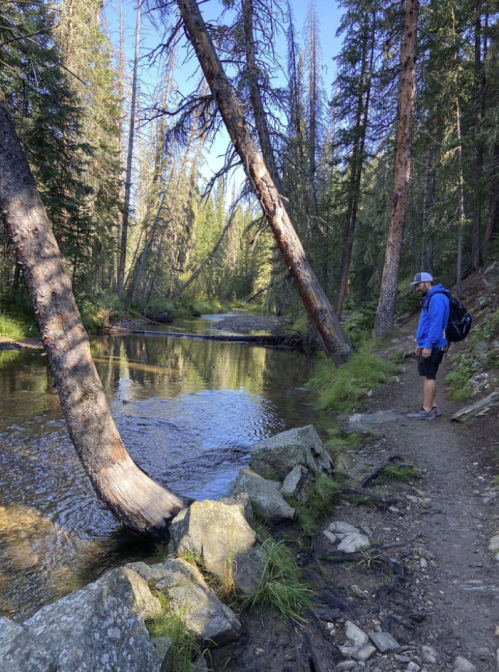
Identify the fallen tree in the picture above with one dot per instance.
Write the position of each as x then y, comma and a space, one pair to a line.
136, 500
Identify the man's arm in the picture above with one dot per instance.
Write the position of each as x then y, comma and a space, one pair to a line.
436, 316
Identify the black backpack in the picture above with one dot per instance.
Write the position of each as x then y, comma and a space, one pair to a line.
459, 324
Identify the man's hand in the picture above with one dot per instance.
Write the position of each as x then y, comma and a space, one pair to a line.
426, 353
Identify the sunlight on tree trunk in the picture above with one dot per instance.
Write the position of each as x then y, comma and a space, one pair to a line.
129, 493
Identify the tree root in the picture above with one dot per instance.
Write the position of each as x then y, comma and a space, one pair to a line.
370, 480
382, 504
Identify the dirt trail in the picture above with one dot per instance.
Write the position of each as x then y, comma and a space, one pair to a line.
461, 584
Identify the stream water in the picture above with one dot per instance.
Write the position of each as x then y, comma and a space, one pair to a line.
187, 410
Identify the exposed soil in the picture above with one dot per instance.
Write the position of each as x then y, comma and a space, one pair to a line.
436, 535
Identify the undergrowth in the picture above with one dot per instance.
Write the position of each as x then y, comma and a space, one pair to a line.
15, 324
323, 496
281, 585
400, 472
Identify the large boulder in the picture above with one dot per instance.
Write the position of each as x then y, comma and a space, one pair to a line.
91, 630
200, 609
129, 586
20, 652
265, 494
217, 532
277, 456
478, 408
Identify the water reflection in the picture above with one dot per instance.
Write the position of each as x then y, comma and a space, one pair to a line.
188, 412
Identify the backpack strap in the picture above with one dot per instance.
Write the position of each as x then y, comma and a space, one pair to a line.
427, 307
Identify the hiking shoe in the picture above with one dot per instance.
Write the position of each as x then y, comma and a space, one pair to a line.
422, 415
437, 411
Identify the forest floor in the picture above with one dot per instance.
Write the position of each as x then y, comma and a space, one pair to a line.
438, 532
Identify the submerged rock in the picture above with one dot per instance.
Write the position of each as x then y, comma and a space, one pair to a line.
20, 652
91, 630
264, 493
217, 532
277, 456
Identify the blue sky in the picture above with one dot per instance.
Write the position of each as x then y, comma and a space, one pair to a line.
329, 17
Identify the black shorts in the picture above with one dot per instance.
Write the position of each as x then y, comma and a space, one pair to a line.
429, 367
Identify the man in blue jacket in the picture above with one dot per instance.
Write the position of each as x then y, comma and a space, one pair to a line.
431, 341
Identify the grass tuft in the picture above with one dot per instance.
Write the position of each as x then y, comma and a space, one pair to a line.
183, 645
341, 389
281, 586
400, 473
324, 495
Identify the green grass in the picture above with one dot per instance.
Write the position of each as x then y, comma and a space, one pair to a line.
281, 586
16, 324
342, 389
400, 472
324, 495
183, 647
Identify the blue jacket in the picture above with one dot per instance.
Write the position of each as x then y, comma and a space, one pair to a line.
433, 321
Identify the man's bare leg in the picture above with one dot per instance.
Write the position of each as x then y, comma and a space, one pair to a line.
429, 393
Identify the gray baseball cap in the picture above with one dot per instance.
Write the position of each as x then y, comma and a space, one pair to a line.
422, 277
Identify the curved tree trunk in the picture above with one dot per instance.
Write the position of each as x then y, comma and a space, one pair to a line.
129, 493
388, 297
314, 299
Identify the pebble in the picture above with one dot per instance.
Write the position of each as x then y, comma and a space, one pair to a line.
426, 503
347, 665
355, 635
494, 543
402, 659
364, 653
412, 667
423, 563
429, 655
384, 642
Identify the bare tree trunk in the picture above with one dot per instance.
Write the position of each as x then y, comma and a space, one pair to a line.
316, 303
460, 196
357, 163
494, 203
255, 95
129, 493
128, 178
429, 200
480, 97
386, 307
121, 95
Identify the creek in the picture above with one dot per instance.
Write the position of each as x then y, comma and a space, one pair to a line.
187, 410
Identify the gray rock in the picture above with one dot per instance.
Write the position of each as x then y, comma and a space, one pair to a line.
429, 655
162, 646
364, 653
329, 535
265, 494
355, 635
413, 667
200, 665
128, 585
346, 665
340, 528
367, 423
241, 498
297, 484
463, 665
481, 348
91, 630
20, 652
202, 612
218, 533
494, 543
470, 411
280, 454
490, 276
353, 543
384, 642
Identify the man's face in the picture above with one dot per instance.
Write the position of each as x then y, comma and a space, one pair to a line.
423, 288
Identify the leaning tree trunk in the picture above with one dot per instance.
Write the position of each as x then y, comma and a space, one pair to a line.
316, 303
129, 493
386, 307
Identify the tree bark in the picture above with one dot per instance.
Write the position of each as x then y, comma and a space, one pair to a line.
316, 303
255, 95
428, 202
460, 196
128, 178
129, 493
356, 166
494, 203
480, 98
386, 307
